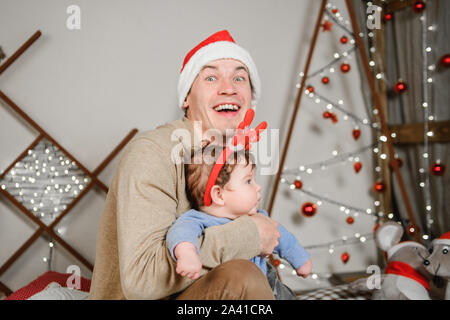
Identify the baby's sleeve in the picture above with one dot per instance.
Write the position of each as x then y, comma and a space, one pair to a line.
290, 249
187, 228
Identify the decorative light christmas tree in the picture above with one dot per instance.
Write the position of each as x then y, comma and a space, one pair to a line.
314, 85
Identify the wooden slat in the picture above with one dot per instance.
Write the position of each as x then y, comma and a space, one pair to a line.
23, 154
19, 51
4, 288
397, 5
414, 132
384, 127
46, 228
16, 108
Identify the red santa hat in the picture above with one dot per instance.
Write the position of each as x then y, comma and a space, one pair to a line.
444, 239
220, 45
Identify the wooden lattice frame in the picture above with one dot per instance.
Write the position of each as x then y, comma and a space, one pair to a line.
94, 180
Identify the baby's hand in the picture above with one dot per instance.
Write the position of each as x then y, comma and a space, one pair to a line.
305, 269
188, 261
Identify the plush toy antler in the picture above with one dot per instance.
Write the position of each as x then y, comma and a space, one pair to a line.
241, 140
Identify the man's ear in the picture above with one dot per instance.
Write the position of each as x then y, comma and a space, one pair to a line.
217, 195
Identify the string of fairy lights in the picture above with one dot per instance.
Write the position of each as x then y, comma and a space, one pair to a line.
45, 181
292, 177
427, 83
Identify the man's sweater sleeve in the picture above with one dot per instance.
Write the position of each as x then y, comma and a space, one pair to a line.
146, 196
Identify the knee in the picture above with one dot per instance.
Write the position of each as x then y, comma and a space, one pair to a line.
245, 275
240, 269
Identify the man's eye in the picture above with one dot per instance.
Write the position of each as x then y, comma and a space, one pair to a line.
240, 78
249, 181
210, 78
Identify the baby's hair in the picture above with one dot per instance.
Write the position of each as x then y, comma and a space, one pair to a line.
198, 170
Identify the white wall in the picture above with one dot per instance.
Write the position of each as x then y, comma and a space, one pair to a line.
88, 88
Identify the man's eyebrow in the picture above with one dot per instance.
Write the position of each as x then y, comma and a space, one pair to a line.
241, 68
208, 66
215, 68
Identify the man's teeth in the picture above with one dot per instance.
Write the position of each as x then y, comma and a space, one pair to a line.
231, 107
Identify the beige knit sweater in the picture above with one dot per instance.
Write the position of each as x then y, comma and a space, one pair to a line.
145, 197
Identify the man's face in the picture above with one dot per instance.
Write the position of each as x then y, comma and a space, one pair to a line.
220, 95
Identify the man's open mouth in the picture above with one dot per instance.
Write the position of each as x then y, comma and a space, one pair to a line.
227, 109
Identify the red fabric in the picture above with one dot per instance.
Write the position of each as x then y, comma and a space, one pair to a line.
243, 137
41, 282
405, 270
223, 35
445, 236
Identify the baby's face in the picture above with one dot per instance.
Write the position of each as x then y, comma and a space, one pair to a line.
242, 193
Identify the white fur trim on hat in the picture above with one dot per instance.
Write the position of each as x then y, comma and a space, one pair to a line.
403, 244
211, 52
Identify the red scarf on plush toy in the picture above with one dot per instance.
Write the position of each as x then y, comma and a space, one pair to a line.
405, 270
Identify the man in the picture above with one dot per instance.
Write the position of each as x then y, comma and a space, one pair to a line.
218, 84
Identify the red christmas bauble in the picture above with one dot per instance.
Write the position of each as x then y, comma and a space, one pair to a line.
309, 209
334, 11
437, 169
350, 220
331, 115
388, 17
356, 133
345, 67
400, 86
418, 6
298, 184
357, 166
325, 80
276, 263
379, 187
334, 118
345, 257
344, 39
445, 60
310, 89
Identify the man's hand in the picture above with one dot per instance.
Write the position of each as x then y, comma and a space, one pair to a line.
188, 261
268, 233
305, 269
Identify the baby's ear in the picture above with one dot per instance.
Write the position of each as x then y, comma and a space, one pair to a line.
388, 235
217, 195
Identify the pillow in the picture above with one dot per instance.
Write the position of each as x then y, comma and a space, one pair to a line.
43, 281
54, 291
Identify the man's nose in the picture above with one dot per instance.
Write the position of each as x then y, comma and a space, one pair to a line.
226, 86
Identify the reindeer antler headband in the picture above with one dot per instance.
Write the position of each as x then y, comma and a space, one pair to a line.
241, 140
